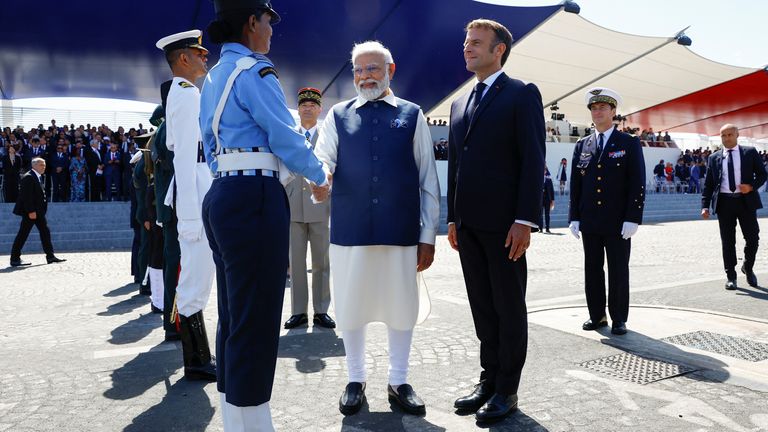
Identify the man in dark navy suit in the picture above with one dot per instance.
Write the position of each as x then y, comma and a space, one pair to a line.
730, 188
495, 170
607, 196
547, 201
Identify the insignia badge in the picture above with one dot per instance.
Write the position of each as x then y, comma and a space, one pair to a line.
398, 124
583, 172
185, 84
596, 91
268, 71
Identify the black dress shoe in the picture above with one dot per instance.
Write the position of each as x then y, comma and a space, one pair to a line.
323, 320
407, 399
352, 399
53, 259
19, 263
548, 231
730, 285
591, 325
497, 408
295, 321
475, 400
751, 278
618, 328
156, 309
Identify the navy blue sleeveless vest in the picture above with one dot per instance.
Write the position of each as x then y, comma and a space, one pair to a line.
376, 196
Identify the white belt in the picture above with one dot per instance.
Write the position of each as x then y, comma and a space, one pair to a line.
247, 161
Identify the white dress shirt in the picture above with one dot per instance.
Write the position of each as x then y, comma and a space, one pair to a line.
736, 169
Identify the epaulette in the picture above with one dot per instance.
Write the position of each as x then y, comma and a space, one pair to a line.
268, 71
185, 84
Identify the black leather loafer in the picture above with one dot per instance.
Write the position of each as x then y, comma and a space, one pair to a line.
751, 278
618, 328
407, 399
324, 320
53, 259
497, 408
295, 321
475, 400
591, 325
352, 399
730, 285
19, 263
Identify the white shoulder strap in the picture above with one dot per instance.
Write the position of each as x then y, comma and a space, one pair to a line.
244, 63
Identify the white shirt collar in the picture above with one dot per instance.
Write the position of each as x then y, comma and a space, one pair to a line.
606, 135
389, 98
310, 130
38, 175
490, 80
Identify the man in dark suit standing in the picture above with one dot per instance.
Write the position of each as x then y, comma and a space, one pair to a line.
495, 170
607, 196
60, 173
734, 175
31, 206
547, 201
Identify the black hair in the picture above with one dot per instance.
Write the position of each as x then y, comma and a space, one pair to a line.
229, 25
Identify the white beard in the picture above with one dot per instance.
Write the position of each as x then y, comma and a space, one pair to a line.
375, 92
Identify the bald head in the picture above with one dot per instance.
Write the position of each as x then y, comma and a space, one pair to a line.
729, 135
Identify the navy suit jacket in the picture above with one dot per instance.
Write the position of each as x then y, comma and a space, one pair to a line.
31, 197
496, 158
611, 189
752, 172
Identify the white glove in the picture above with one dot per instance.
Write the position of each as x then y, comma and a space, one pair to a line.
574, 227
158, 223
628, 230
190, 229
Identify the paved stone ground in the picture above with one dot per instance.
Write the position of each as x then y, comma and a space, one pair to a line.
80, 351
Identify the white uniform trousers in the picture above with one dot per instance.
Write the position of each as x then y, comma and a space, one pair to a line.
245, 419
196, 277
399, 351
156, 287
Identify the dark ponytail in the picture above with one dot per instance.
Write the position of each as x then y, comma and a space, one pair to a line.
229, 25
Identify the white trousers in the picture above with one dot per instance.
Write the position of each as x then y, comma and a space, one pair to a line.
399, 350
196, 277
156, 286
245, 419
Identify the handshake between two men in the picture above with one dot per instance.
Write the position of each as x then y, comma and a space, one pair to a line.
320, 193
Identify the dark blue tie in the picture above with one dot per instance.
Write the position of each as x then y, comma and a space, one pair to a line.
599, 145
306, 134
731, 172
474, 100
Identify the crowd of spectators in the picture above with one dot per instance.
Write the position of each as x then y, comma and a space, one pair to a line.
87, 163
687, 174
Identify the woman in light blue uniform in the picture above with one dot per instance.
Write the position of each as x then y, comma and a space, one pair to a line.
249, 139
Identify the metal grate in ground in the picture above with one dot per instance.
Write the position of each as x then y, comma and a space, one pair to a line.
731, 346
636, 369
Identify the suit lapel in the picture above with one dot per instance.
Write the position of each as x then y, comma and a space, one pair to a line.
744, 169
493, 91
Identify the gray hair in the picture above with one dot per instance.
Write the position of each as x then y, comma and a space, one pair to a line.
37, 161
371, 47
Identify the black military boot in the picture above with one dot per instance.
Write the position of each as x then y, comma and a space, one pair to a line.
198, 363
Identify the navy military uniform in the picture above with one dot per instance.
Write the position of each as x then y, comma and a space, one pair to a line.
248, 134
606, 202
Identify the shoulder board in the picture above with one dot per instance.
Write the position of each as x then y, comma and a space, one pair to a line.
185, 84
268, 71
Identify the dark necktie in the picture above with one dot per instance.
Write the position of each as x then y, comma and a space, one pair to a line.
731, 172
599, 145
306, 134
474, 100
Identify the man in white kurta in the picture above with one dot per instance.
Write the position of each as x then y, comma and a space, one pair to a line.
192, 179
384, 218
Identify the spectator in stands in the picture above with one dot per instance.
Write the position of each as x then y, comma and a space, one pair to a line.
60, 173
11, 164
112, 173
33, 151
687, 158
682, 175
550, 135
651, 135
95, 165
695, 179
658, 174
667, 138
669, 172
562, 175
78, 173
127, 182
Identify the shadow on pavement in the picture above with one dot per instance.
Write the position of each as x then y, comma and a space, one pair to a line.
125, 306
309, 349
757, 292
10, 269
394, 421
143, 372
136, 329
123, 290
185, 407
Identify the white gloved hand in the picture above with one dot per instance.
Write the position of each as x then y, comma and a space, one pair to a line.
628, 230
190, 229
574, 227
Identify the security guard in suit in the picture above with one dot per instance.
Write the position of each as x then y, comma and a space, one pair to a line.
607, 196
162, 159
250, 143
309, 222
192, 179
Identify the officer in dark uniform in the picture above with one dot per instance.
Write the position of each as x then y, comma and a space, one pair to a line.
162, 159
607, 195
139, 215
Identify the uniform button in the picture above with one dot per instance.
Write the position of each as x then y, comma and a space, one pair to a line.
306, 189
375, 139
618, 164
375, 121
599, 178
641, 194
599, 166
375, 179
599, 203
375, 158
598, 191
466, 148
376, 105
375, 200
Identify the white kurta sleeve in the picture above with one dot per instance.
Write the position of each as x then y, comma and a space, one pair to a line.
184, 133
424, 156
328, 144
